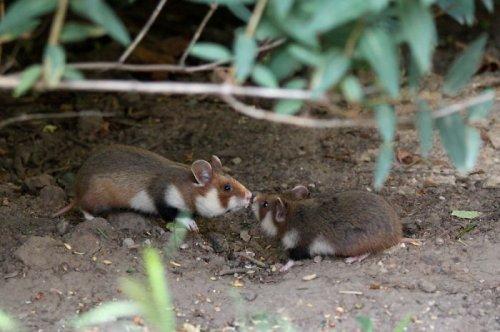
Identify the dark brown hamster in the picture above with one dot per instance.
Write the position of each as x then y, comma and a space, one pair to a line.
351, 224
126, 177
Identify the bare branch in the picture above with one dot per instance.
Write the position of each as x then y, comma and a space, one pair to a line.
65, 115
213, 8
162, 67
143, 31
258, 113
169, 87
228, 91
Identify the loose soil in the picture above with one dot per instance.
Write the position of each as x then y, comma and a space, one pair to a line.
450, 283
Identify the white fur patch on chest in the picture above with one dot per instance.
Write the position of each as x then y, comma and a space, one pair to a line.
209, 205
173, 197
290, 239
142, 201
267, 224
320, 246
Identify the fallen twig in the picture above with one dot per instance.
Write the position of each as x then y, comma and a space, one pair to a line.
232, 271
350, 292
213, 8
143, 31
251, 259
40, 116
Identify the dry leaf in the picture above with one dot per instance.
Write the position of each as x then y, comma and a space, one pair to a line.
310, 277
404, 157
173, 263
186, 327
238, 283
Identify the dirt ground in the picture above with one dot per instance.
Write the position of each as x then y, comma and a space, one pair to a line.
451, 283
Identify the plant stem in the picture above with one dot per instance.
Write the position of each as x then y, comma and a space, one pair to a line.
57, 23
255, 18
350, 45
2, 13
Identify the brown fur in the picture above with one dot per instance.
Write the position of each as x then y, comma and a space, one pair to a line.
353, 223
114, 174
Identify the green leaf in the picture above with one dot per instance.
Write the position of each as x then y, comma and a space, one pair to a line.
419, 31
462, 143
383, 165
263, 76
75, 32
73, 74
352, 89
481, 111
283, 65
366, 324
267, 30
402, 324
28, 78
331, 14
386, 122
414, 75
281, 7
22, 12
465, 214
100, 13
424, 125
107, 312
24, 27
330, 71
290, 106
245, 51
159, 290
240, 11
488, 4
378, 48
305, 55
225, 2
210, 52
7, 323
473, 143
54, 63
461, 10
464, 66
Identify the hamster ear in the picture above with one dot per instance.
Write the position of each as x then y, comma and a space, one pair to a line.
280, 210
216, 163
300, 192
202, 171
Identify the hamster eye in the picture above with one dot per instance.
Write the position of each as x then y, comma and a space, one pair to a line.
227, 187
265, 204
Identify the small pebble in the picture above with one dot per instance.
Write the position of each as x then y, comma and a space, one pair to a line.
249, 296
236, 160
317, 259
439, 241
184, 246
245, 236
128, 242
62, 227
147, 242
427, 286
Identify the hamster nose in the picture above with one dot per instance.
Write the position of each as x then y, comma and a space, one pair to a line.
248, 196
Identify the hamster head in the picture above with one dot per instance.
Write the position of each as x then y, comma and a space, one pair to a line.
216, 192
271, 210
